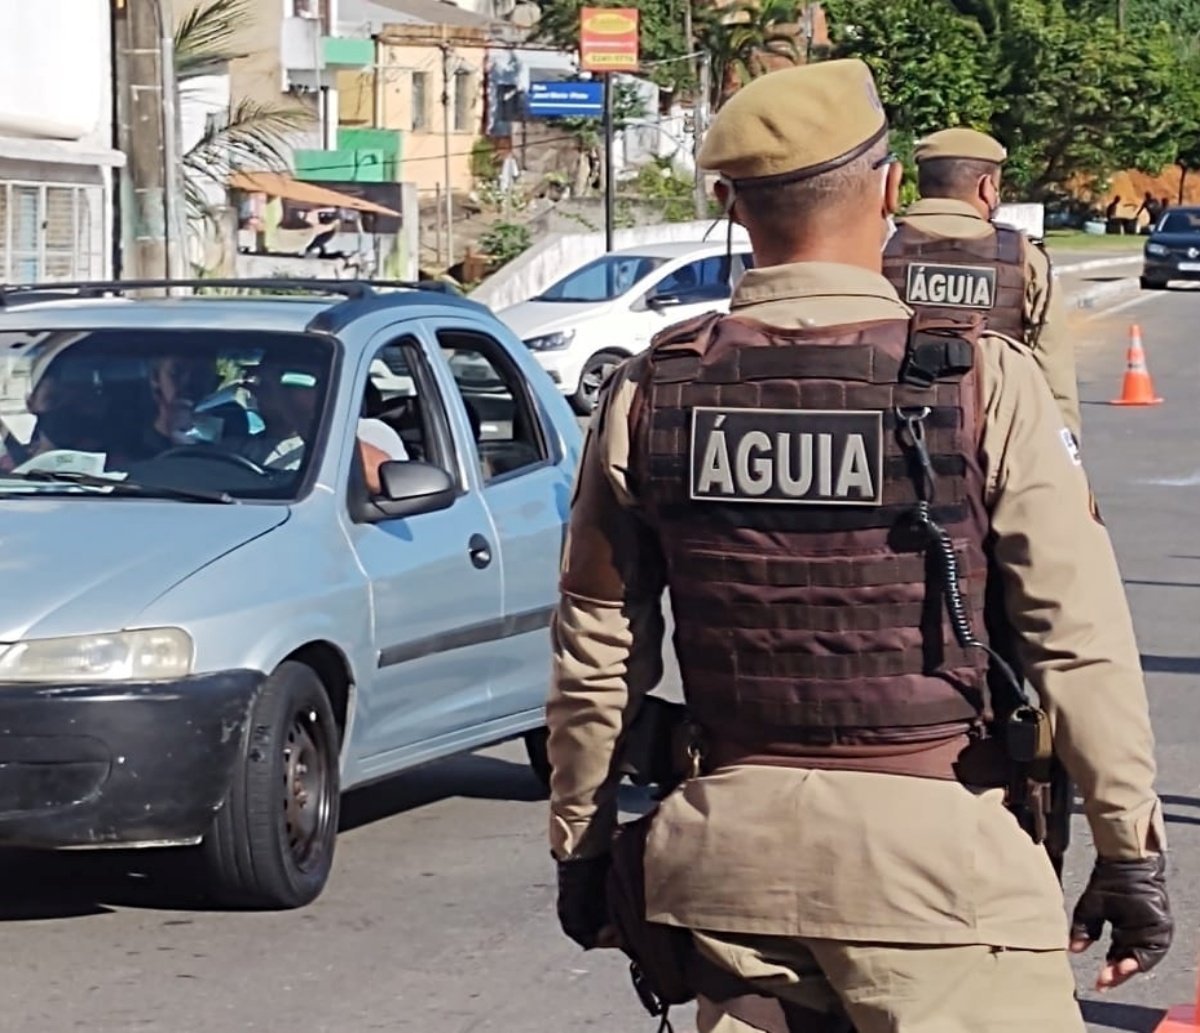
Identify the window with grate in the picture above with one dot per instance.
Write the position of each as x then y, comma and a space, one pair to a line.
464, 100
3, 232
61, 231
47, 232
24, 229
420, 101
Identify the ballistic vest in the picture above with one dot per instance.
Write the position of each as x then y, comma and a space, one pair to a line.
809, 619
952, 278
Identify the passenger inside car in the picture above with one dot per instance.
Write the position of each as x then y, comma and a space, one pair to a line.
70, 416
378, 442
286, 399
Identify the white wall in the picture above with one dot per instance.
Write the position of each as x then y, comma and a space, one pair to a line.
54, 71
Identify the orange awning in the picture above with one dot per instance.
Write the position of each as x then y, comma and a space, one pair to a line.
278, 185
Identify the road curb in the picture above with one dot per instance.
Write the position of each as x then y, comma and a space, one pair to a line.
1086, 299
1093, 264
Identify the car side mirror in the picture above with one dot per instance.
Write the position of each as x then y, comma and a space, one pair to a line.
411, 488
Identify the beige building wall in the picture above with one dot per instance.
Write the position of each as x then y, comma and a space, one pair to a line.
257, 73
410, 93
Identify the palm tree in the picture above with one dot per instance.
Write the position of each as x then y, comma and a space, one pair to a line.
253, 136
746, 38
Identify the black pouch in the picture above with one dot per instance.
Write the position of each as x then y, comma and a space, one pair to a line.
655, 750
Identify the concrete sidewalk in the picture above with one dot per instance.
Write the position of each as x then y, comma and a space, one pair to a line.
1087, 281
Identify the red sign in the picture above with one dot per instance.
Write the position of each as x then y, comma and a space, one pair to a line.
608, 39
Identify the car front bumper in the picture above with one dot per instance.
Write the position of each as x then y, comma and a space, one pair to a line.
1161, 268
119, 764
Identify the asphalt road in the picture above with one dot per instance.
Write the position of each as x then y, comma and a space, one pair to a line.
439, 917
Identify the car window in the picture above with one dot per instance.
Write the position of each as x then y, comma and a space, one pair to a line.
703, 279
509, 437
1180, 222
400, 417
392, 397
602, 280
235, 412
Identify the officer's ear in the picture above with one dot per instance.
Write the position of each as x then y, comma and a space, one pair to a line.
989, 191
892, 180
723, 190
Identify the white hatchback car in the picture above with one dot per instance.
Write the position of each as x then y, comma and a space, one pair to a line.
595, 317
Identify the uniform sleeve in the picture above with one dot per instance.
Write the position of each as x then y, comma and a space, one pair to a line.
607, 634
1054, 347
1065, 598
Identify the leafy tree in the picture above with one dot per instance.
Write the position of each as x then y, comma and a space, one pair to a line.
1078, 98
253, 136
933, 65
745, 39
1070, 95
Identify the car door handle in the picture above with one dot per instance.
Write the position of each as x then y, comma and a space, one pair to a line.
480, 551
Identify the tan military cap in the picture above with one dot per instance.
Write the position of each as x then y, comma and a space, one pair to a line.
796, 123
960, 143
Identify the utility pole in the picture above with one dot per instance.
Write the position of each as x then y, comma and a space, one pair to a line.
699, 106
610, 187
699, 127
150, 182
445, 48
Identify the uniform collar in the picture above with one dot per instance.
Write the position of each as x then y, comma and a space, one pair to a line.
800, 281
944, 206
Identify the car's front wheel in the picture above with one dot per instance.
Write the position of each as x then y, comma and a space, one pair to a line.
271, 844
595, 371
1152, 285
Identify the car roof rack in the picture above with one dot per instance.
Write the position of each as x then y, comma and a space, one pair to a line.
11, 294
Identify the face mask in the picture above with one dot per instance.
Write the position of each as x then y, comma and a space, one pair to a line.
889, 232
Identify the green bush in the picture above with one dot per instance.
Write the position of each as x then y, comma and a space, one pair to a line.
485, 162
505, 241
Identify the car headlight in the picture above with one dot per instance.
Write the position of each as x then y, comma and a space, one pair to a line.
153, 654
551, 342
1156, 249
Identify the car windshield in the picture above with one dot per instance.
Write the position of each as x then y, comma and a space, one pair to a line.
186, 414
1180, 222
602, 280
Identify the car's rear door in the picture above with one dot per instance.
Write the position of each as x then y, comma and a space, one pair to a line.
526, 489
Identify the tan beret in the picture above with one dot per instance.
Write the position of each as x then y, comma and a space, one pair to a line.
796, 122
960, 143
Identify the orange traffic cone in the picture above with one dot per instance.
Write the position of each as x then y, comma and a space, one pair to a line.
1137, 388
1184, 1018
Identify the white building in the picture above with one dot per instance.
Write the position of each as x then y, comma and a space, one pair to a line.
56, 141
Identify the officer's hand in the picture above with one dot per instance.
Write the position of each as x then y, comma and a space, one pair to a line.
1132, 896
582, 900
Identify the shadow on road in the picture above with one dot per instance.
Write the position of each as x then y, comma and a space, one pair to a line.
1171, 664
471, 776
1135, 1018
40, 885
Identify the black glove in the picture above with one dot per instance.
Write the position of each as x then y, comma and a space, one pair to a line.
582, 900
1132, 895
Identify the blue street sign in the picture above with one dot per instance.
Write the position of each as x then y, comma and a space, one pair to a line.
565, 99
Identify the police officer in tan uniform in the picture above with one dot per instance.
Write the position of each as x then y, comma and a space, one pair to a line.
948, 256
843, 844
